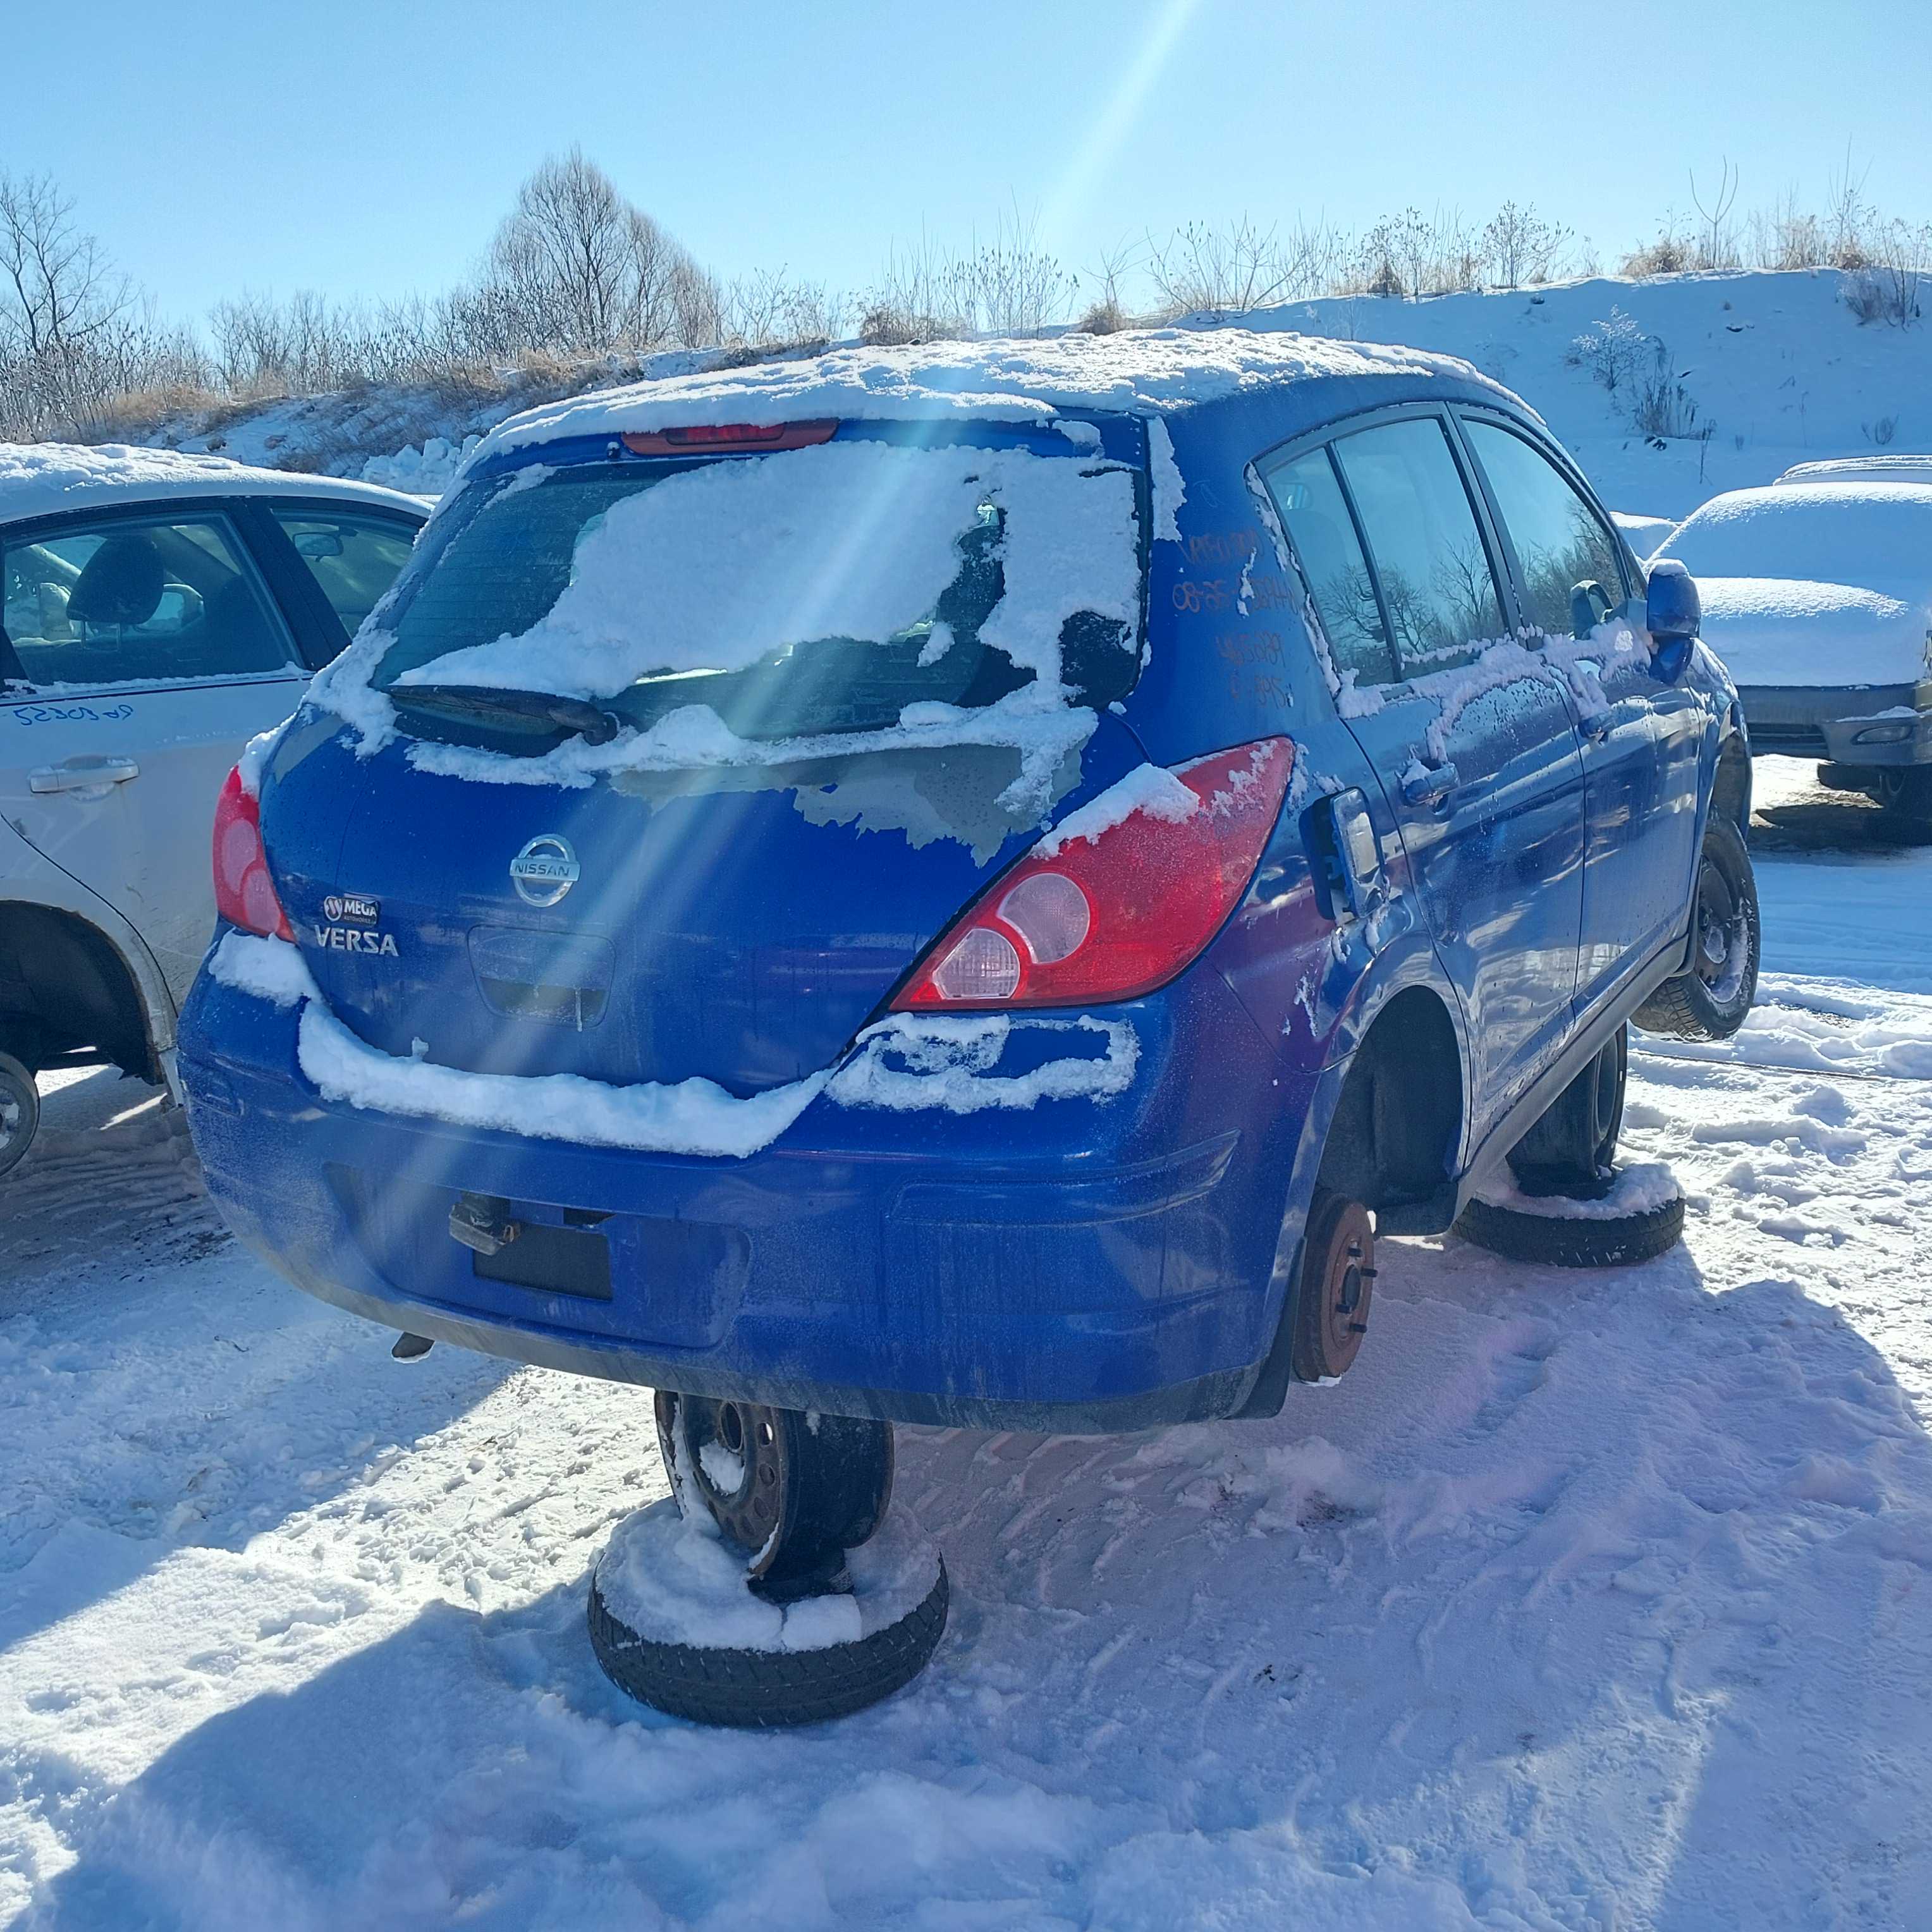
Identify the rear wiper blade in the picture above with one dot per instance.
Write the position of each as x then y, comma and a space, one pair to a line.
510, 709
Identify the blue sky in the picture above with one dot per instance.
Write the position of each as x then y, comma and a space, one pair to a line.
366, 148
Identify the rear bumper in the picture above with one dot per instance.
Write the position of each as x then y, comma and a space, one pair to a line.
1871, 724
1080, 1266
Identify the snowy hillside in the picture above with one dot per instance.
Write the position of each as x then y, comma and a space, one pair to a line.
1773, 365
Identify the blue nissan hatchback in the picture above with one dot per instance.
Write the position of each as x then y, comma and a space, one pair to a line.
963, 885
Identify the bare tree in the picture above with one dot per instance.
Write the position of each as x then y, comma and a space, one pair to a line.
770, 309
1227, 270
57, 289
1717, 249
1009, 285
72, 331
1517, 246
576, 269
1107, 312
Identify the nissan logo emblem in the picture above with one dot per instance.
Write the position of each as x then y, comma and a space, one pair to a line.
544, 870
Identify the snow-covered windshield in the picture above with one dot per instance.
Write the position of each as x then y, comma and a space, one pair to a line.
1820, 533
824, 589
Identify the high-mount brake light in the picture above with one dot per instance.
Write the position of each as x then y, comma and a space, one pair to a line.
1110, 915
759, 437
244, 895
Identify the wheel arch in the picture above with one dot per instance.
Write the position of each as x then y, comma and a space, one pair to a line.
1731, 782
1400, 1115
65, 983
1355, 1138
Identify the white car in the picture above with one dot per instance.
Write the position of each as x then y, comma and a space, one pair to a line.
1642, 533
159, 611
1818, 597
1903, 469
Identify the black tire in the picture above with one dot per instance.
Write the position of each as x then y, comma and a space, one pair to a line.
1710, 999
1575, 1241
1569, 1149
1904, 794
20, 1111
763, 1689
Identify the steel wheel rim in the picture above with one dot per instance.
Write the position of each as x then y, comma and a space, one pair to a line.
751, 1510
1720, 919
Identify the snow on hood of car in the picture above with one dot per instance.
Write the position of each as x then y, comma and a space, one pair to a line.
790, 554
1790, 630
41, 479
1137, 371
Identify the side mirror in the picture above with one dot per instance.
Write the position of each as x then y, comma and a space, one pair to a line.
1673, 615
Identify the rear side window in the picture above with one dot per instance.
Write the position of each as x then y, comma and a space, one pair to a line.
1316, 515
122, 602
1560, 543
1438, 593
353, 559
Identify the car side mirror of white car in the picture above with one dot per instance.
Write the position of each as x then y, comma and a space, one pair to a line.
1673, 615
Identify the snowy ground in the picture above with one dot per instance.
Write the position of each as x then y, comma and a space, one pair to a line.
1585, 1601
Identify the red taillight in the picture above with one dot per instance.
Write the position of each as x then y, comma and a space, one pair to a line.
1111, 912
729, 436
244, 895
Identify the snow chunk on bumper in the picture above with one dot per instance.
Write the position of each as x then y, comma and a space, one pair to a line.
694, 1117
946, 1062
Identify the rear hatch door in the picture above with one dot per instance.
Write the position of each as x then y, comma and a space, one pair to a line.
837, 727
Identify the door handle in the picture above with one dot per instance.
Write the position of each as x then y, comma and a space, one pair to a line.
74, 776
1596, 726
1429, 784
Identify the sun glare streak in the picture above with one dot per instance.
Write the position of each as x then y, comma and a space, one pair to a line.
1116, 121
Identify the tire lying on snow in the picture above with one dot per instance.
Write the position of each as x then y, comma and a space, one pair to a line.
1710, 999
674, 1623
20, 1111
1640, 1217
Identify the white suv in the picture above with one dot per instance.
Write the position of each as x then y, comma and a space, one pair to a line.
160, 610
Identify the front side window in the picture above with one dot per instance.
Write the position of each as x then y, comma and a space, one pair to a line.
353, 559
1316, 515
1572, 576
125, 603
1424, 544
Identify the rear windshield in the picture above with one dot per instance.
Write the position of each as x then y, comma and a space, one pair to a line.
1820, 533
815, 590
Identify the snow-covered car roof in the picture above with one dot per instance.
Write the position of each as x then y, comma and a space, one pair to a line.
41, 479
1831, 533
1147, 372
1901, 469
